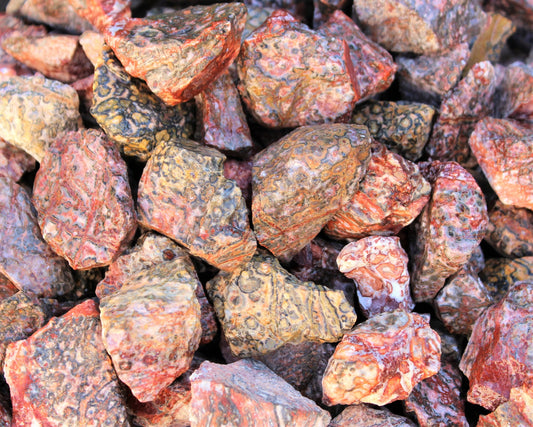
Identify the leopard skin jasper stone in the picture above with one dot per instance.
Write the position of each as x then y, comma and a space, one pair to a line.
62, 375
163, 49
367, 416
102, 13
293, 76
517, 411
14, 162
516, 92
83, 198
498, 355
130, 114
381, 360
25, 258
7, 288
262, 307
93, 44
373, 66
321, 168
183, 194
500, 274
390, 196
448, 230
403, 128
255, 18
34, 110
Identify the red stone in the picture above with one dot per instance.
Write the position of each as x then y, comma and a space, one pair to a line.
517, 411
7, 288
14, 162
240, 171
367, 416
102, 13
516, 89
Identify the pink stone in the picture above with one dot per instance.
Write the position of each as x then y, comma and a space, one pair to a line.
102, 13
367, 416
516, 91
517, 411
14, 162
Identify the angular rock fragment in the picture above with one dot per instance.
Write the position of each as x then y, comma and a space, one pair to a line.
476, 263
130, 114
497, 357
62, 375
381, 360
93, 44
82, 195
390, 196
25, 258
293, 76
7, 288
517, 411
248, 393
322, 166
14, 162
102, 13
255, 17
323, 9
262, 307
367, 416
184, 195
34, 110
163, 49
520, 11
516, 92
500, 274
240, 171
448, 230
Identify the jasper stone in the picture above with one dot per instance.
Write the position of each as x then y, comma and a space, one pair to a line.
62, 374
496, 358
517, 411
102, 13
130, 114
322, 166
34, 110
293, 76
163, 49
7, 288
14, 162
500, 274
367, 416
516, 92
381, 360
93, 45
83, 198
262, 307
247, 393
25, 258
448, 230
184, 195
520, 11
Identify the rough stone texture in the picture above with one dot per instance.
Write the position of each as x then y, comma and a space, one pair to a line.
130, 114
520, 11
390, 196
93, 44
373, 66
322, 166
381, 360
476, 263
262, 307
151, 327
62, 375
293, 76
255, 17
240, 171
84, 88
518, 411
378, 266
7, 288
247, 393
437, 401
403, 128
184, 195
83, 198
500, 274
504, 150
14, 162
367, 416
448, 230
102, 13
5, 415
180, 73
516, 92
498, 357
323, 9
34, 110
25, 258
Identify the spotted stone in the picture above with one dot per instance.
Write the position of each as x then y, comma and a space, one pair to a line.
500, 274
102, 13
368, 416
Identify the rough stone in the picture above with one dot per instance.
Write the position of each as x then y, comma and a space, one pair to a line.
517, 411
102, 13
240, 171
381, 360
255, 17
520, 11
367, 416
516, 92
14, 162
476, 263
500, 274
7, 288
93, 44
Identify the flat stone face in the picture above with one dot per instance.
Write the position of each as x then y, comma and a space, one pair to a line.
262, 307
248, 393
180, 73
517, 92
293, 76
62, 374
448, 230
381, 360
93, 45
517, 411
497, 357
504, 150
390, 196
184, 195
322, 166
367, 416
499, 274
25, 258
83, 198
14, 162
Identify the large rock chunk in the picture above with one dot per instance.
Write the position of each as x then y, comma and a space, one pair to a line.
83, 198
62, 374
102, 13
516, 92
321, 168
367, 416
500, 274
517, 411
14, 162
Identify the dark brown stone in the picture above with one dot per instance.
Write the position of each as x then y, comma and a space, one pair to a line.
500, 274
14, 162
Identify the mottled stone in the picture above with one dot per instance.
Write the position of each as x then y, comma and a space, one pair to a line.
498, 357
390, 196
476, 263
517, 411
255, 17
297, 8
184, 195
84, 89
62, 375
515, 92
34, 110
93, 44
14, 162
163, 49
240, 171
262, 307
321, 166
247, 393
130, 114
323, 9
504, 150
520, 11
7, 288
25, 258
293, 76
367, 416
5, 415
102, 13
381, 360
83, 198
500, 274
448, 230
